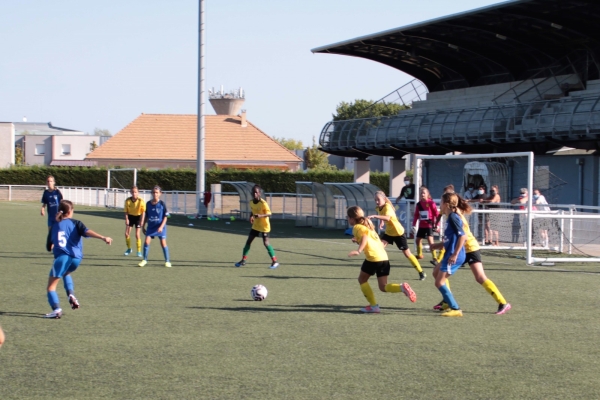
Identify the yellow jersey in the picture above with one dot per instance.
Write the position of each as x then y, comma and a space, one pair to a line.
393, 227
260, 224
471, 244
135, 207
374, 250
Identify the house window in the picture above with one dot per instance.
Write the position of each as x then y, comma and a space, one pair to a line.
66, 149
40, 149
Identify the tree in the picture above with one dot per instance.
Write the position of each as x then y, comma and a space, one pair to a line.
19, 156
102, 132
290, 144
361, 108
93, 146
317, 159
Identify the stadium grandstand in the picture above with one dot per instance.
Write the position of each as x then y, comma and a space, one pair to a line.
521, 75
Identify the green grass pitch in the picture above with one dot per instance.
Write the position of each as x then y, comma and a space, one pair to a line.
193, 332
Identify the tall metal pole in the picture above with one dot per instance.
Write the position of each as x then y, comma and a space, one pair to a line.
200, 184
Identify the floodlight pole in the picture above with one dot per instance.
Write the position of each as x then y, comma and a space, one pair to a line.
200, 184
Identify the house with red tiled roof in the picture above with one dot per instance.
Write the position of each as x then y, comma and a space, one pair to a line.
170, 141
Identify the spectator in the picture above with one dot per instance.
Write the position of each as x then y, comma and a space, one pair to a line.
541, 205
408, 191
470, 192
491, 236
521, 201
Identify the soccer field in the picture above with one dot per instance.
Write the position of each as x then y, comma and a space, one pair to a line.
193, 332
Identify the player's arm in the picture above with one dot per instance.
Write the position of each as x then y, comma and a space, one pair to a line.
42, 211
126, 214
143, 215
266, 212
361, 246
164, 220
60, 196
92, 234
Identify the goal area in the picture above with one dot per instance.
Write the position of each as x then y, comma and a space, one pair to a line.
518, 225
119, 182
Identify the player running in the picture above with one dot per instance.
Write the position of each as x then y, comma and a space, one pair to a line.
66, 234
260, 226
394, 232
376, 263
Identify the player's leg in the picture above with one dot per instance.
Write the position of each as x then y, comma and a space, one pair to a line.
59, 268
418, 242
367, 270
146, 251
440, 282
442, 305
274, 263
402, 245
128, 239
431, 242
489, 286
165, 248
69, 285
138, 240
251, 236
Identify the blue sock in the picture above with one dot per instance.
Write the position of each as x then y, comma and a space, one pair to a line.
146, 249
68, 282
448, 297
166, 253
53, 300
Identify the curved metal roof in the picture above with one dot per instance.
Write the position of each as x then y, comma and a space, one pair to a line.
505, 42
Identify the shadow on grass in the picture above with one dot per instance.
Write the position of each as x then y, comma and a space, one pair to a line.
304, 308
20, 314
296, 277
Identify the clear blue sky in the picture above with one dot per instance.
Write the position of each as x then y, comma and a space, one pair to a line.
99, 64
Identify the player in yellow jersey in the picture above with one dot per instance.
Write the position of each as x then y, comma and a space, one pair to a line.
135, 210
376, 263
260, 226
394, 232
473, 258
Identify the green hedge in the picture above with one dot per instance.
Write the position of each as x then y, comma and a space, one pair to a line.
181, 179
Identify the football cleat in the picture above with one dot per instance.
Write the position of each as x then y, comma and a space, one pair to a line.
241, 263
73, 302
452, 313
441, 306
127, 252
56, 314
142, 263
371, 309
139, 254
503, 308
422, 276
420, 257
274, 265
168, 264
407, 290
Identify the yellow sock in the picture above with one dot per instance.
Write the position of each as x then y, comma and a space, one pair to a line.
128, 242
368, 292
493, 290
441, 255
419, 250
139, 245
393, 288
434, 254
448, 283
415, 263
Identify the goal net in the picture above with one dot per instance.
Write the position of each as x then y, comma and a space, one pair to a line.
119, 183
538, 230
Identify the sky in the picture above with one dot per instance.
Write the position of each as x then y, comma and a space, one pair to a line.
100, 64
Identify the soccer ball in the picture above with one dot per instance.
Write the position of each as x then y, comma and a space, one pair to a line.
259, 293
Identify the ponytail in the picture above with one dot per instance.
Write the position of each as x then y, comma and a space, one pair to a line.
64, 208
463, 206
358, 215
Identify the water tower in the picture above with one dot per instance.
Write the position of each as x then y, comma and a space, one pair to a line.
226, 103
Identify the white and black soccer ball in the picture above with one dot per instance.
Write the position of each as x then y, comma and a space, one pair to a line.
259, 293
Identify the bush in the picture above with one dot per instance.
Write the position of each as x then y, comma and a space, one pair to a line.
182, 179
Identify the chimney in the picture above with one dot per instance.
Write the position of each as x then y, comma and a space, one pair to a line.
244, 122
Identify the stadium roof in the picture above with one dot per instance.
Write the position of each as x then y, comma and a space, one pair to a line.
505, 42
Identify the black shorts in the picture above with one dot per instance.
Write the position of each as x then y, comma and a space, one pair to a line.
254, 233
134, 220
473, 257
381, 268
399, 240
424, 232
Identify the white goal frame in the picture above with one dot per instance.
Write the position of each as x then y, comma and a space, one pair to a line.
121, 169
531, 215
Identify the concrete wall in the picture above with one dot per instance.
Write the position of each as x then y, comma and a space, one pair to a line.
53, 146
7, 144
29, 143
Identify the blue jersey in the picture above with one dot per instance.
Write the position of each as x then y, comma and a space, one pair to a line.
51, 199
452, 233
66, 236
155, 213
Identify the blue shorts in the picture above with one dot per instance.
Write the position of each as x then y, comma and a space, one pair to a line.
51, 219
450, 269
64, 265
152, 231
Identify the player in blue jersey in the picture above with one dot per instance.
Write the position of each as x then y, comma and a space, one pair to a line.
454, 255
156, 217
66, 235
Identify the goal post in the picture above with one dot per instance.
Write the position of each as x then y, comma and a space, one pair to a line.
545, 232
117, 180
